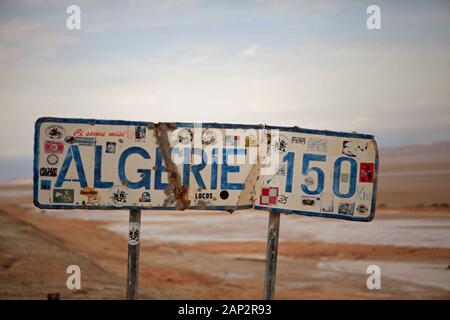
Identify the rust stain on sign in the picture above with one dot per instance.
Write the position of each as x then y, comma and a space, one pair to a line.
175, 191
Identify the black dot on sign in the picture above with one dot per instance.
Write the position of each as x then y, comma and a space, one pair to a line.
224, 195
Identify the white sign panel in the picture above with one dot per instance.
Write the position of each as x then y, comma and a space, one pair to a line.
325, 174
100, 164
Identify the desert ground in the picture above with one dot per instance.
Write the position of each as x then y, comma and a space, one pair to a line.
217, 255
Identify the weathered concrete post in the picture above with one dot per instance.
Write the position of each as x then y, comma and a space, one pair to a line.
271, 255
133, 254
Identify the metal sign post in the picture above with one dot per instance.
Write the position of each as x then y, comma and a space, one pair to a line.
271, 255
133, 254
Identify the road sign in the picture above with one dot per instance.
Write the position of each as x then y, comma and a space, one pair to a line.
321, 173
100, 164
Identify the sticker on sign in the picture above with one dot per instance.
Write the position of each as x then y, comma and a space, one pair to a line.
109, 164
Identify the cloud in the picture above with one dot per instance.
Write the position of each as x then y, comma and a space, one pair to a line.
197, 54
23, 38
250, 51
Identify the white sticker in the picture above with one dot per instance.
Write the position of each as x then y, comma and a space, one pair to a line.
134, 233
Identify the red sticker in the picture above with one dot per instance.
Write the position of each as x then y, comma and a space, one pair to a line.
53, 147
366, 172
268, 196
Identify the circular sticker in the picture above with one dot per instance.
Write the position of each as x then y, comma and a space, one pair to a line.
134, 233
118, 196
185, 136
208, 137
54, 147
52, 159
55, 132
224, 195
362, 208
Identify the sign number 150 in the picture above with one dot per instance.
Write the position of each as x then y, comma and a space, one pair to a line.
307, 168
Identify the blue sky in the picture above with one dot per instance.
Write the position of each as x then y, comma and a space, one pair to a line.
308, 63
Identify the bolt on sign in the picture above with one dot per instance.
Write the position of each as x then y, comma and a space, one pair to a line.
101, 164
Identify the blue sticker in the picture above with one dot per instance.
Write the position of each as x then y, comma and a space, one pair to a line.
46, 184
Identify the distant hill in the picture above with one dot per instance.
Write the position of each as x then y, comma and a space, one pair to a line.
431, 149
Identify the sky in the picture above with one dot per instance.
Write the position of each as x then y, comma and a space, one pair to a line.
313, 64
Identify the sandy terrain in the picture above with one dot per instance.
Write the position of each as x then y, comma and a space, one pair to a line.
414, 182
213, 255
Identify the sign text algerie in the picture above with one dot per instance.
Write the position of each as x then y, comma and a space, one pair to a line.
100, 164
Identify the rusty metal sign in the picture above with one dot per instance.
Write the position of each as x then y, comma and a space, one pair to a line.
102, 164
